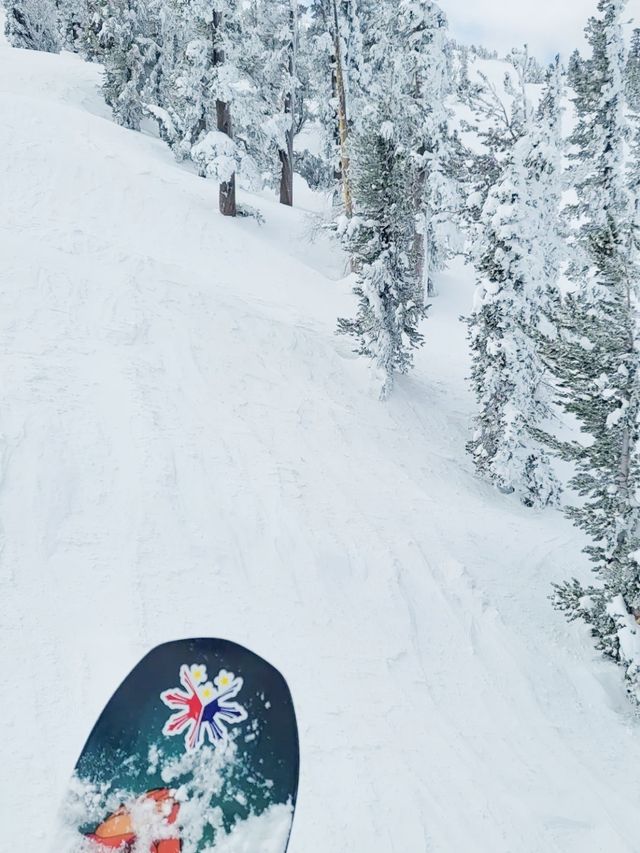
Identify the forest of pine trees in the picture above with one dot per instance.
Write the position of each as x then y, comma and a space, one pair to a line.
548, 220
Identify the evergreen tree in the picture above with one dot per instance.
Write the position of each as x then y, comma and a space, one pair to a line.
498, 123
129, 38
633, 73
422, 55
517, 261
32, 24
172, 39
224, 26
406, 64
532, 71
285, 95
91, 44
269, 59
381, 239
596, 355
202, 88
320, 101
313, 154
354, 20
186, 98
546, 180
340, 68
74, 19
460, 70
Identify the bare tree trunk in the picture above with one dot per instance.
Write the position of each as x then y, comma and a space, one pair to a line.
419, 242
423, 259
343, 127
286, 155
227, 194
337, 167
423, 274
286, 174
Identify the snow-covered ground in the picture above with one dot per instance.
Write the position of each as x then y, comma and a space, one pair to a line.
187, 449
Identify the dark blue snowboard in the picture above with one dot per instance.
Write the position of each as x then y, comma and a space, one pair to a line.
196, 751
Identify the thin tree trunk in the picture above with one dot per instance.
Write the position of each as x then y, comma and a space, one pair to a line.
227, 194
343, 127
337, 167
286, 155
423, 275
286, 173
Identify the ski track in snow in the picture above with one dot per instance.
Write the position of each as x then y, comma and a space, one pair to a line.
188, 450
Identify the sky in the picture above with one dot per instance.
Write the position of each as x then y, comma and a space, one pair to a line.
547, 26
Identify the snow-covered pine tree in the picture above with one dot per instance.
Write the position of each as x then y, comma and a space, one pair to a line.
498, 124
172, 39
531, 69
74, 17
517, 258
269, 60
596, 356
357, 22
89, 43
340, 86
340, 70
313, 156
460, 70
381, 239
32, 24
317, 72
185, 96
225, 23
399, 170
548, 150
131, 53
423, 59
287, 91
633, 73
201, 89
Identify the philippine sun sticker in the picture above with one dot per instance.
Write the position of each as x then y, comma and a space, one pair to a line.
202, 708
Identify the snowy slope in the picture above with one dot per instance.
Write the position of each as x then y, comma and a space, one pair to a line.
187, 449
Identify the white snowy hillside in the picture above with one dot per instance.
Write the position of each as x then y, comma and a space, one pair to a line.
189, 450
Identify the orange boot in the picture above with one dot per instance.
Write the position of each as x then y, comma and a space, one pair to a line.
117, 830
169, 845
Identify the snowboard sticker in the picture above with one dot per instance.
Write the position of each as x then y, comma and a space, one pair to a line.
196, 752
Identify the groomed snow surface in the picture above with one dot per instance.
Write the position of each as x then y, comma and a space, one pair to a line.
189, 450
